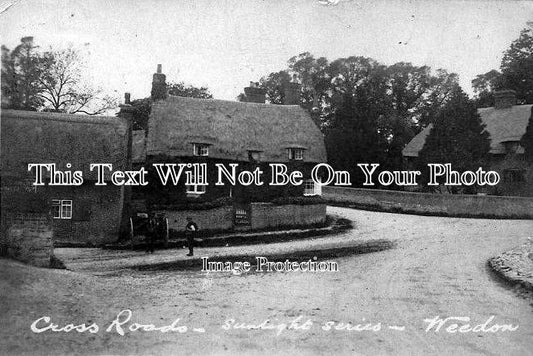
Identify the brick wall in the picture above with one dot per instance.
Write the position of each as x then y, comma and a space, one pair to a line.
428, 203
263, 215
96, 215
28, 238
210, 219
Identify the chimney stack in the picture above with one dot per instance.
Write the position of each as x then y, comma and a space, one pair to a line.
159, 85
127, 98
255, 94
292, 92
504, 99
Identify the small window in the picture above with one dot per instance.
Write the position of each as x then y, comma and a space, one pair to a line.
311, 188
296, 154
200, 149
195, 189
61, 209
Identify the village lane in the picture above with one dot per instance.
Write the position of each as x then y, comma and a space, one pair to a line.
438, 268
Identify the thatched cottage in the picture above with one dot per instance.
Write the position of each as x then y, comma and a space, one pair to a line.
506, 123
251, 133
83, 214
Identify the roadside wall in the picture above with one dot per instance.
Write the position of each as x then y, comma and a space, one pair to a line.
28, 238
263, 215
210, 219
432, 204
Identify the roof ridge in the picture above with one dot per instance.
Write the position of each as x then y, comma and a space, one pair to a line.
54, 116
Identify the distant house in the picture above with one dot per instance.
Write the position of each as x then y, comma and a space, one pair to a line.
506, 123
251, 134
83, 214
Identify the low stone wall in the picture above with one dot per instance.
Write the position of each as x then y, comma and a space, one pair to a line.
266, 215
263, 216
28, 238
433, 204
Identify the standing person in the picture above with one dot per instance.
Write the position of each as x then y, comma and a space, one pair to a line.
150, 234
191, 229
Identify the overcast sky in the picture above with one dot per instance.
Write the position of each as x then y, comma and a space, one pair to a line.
225, 44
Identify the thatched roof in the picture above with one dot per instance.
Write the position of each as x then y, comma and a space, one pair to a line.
232, 129
503, 125
42, 137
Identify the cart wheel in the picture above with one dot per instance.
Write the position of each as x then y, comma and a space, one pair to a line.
131, 233
165, 232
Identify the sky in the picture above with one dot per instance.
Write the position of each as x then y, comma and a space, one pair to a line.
225, 44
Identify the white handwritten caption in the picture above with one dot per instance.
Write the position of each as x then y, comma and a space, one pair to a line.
123, 324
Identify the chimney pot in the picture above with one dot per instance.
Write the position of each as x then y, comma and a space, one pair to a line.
159, 85
255, 94
127, 98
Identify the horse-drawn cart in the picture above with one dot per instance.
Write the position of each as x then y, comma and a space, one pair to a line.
144, 224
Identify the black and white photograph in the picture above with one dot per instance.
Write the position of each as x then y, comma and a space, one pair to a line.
285, 177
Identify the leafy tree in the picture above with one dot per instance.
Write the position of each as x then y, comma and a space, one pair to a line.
458, 136
484, 85
187, 90
517, 66
527, 140
275, 84
315, 76
143, 107
516, 72
20, 76
359, 100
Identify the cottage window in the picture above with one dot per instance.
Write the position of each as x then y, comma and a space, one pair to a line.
200, 149
61, 209
195, 189
296, 154
311, 188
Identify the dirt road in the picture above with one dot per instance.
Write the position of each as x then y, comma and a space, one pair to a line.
438, 269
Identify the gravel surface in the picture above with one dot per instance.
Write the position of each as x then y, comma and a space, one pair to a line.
438, 268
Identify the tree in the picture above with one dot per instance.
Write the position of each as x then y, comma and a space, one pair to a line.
315, 76
20, 76
187, 90
484, 86
516, 72
458, 136
49, 81
517, 66
527, 140
358, 100
275, 84
143, 107
63, 89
